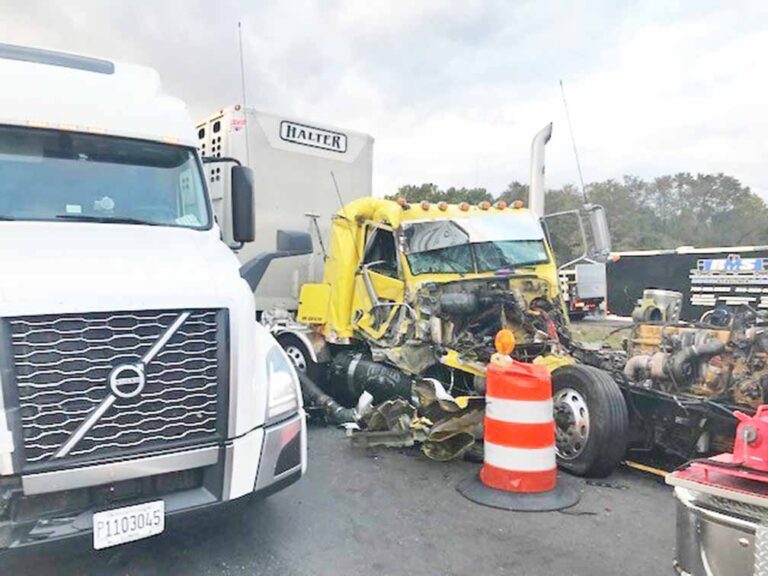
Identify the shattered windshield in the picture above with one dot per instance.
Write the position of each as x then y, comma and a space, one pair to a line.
469, 245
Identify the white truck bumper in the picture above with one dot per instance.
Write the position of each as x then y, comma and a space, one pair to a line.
54, 505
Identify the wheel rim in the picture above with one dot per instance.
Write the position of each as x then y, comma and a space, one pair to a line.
571, 423
297, 357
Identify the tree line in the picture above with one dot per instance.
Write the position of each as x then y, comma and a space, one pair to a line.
666, 212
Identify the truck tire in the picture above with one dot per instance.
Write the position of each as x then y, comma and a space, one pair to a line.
591, 421
299, 355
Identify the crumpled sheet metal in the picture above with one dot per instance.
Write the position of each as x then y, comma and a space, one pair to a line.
454, 435
393, 415
434, 402
445, 426
456, 426
390, 424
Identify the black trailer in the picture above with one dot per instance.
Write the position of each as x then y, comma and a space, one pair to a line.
707, 277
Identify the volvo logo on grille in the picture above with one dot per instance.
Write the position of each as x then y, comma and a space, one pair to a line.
127, 380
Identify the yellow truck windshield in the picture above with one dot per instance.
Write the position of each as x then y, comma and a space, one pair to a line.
475, 258
473, 245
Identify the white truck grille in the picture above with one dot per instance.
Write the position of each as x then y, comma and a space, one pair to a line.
63, 367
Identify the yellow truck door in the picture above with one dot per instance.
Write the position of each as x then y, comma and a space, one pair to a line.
379, 290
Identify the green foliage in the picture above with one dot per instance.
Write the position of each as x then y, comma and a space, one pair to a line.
515, 191
432, 193
667, 212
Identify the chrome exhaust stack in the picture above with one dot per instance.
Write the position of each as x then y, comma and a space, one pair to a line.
537, 190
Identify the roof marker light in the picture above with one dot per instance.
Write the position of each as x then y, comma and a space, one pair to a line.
464, 207
442, 206
500, 205
484, 205
517, 204
425, 205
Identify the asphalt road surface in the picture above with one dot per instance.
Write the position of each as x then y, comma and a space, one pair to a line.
390, 512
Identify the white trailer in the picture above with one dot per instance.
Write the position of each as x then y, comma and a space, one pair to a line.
294, 164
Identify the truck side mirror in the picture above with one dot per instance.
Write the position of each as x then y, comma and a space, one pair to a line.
568, 239
289, 243
601, 235
243, 228
293, 242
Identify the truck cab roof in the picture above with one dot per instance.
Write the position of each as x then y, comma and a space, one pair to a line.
57, 90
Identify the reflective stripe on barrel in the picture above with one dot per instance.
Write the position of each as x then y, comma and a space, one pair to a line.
519, 429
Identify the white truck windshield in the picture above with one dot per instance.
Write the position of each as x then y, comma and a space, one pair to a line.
473, 245
57, 175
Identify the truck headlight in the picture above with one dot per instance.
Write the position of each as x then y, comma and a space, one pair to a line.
283, 385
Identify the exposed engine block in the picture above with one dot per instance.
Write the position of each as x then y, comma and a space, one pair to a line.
727, 363
466, 315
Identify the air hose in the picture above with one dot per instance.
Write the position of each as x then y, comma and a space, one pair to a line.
334, 412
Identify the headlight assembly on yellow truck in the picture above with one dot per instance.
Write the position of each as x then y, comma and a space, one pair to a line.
283, 383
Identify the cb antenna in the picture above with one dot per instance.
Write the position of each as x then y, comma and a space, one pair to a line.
573, 141
242, 87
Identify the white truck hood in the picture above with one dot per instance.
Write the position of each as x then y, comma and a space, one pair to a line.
51, 267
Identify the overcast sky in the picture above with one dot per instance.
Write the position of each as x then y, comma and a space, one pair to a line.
453, 92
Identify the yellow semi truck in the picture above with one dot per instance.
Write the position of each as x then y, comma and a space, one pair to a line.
421, 290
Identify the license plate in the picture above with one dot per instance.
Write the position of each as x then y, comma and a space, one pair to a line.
121, 525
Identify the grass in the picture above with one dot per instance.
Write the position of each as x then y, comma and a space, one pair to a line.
598, 333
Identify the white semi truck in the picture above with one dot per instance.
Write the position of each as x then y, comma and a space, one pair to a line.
135, 381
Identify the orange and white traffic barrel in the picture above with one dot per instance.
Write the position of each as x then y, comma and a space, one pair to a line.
519, 465
519, 429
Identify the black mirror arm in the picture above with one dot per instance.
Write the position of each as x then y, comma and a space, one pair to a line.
253, 270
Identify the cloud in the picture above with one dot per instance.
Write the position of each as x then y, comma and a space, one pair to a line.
453, 92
